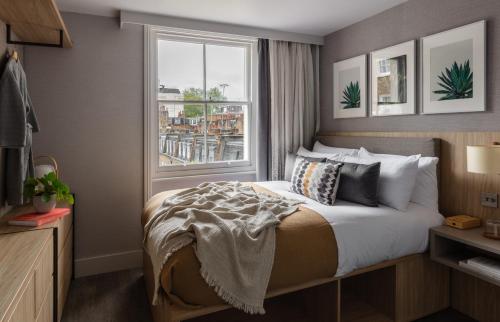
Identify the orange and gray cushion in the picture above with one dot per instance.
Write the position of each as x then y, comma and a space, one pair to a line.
316, 180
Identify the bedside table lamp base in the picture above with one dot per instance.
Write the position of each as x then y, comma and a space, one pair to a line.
491, 236
492, 229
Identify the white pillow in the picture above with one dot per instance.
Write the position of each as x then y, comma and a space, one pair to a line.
397, 179
319, 147
308, 154
425, 192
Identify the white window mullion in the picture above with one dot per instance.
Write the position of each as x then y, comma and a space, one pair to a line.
205, 109
204, 72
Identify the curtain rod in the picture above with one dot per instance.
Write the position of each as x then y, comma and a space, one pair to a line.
138, 18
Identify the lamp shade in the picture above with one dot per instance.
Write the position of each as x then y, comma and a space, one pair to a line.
483, 159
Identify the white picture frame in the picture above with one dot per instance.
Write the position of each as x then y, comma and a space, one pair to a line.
393, 80
350, 75
440, 52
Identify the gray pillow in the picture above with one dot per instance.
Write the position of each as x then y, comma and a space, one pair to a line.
359, 183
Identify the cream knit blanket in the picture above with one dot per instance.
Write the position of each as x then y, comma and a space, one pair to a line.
233, 231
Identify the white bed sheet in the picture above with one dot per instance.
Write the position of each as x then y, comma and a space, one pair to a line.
369, 235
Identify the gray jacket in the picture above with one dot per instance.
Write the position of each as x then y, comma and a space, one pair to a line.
17, 122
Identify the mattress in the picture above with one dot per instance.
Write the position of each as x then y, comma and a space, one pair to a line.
369, 235
306, 250
316, 242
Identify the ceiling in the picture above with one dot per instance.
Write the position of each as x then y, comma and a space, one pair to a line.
313, 17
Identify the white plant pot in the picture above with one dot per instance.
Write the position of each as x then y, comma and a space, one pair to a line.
42, 206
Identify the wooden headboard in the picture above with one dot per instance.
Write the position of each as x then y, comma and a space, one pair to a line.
429, 147
459, 190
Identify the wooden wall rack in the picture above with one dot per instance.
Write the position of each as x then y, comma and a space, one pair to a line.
35, 23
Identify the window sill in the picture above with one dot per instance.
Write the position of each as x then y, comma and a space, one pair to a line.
205, 176
188, 171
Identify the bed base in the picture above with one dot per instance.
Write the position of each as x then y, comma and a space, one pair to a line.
400, 290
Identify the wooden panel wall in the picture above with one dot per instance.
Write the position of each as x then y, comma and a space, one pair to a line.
459, 190
475, 298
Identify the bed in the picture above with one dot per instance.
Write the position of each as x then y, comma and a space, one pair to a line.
321, 245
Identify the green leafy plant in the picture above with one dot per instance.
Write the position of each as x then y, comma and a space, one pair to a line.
456, 82
196, 94
46, 187
351, 96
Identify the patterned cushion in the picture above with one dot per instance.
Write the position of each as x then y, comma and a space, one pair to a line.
316, 180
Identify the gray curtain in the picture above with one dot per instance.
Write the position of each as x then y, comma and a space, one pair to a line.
264, 114
294, 100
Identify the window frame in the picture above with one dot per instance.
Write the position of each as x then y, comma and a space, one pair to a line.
386, 66
153, 171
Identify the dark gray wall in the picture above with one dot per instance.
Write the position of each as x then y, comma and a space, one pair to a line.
412, 20
89, 102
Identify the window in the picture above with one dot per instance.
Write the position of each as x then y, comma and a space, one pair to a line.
384, 67
200, 109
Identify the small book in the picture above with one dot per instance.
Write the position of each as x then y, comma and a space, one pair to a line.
35, 219
483, 265
463, 222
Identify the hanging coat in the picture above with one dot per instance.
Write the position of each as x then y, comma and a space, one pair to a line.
17, 122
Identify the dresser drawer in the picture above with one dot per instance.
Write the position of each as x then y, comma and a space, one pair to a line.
64, 227
46, 313
44, 269
65, 269
25, 308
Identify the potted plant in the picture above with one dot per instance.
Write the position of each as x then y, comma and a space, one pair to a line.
46, 191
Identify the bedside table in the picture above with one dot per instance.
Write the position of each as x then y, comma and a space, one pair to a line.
450, 245
472, 293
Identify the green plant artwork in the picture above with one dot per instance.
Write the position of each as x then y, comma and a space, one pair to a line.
456, 82
351, 96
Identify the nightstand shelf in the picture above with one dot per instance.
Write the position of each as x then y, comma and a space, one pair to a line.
450, 245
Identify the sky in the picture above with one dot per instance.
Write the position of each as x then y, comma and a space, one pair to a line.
180, 65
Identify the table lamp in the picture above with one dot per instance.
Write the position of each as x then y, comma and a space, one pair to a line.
485, 159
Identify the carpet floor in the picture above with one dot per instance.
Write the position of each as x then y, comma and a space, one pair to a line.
121, 297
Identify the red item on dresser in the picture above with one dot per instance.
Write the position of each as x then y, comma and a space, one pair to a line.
36, 219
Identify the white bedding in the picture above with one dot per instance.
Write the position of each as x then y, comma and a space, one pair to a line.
369, 235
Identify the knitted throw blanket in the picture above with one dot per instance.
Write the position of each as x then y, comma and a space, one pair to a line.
232, 229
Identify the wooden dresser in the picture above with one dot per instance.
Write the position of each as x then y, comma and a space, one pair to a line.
26, 276
61, 255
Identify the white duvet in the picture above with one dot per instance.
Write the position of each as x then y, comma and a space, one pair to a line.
369, 235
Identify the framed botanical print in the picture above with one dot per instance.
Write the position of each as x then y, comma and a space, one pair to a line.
349, 88
454, 70
393, 80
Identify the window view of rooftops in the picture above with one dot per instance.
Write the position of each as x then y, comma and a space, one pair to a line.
195, 126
